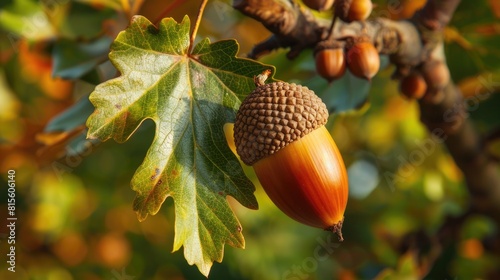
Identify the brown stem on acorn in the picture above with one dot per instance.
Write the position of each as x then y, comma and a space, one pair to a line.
337, 229
332, 25
260, 79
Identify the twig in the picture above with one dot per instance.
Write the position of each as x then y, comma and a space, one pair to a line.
197, 24
292, 26
298, 29
437, 14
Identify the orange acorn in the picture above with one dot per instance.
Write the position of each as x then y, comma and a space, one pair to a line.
279, 130
363, 60
359, 10
413, 86
330, 63
353, 10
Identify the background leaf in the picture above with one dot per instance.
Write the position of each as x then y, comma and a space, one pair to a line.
73, 60
84, 21
189, 97
473, 35
349, 93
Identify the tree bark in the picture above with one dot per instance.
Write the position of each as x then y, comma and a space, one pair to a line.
450, 114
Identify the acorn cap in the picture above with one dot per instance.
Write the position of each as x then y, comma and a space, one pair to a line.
273, 116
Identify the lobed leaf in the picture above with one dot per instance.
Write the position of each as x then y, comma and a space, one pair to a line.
189, 96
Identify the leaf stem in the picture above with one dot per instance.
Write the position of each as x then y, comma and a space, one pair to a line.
197, 24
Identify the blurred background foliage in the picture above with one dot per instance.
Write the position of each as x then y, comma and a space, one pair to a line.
74, 202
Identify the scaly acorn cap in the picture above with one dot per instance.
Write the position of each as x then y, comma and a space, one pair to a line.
273, 116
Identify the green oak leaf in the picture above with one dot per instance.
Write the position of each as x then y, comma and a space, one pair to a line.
189, 96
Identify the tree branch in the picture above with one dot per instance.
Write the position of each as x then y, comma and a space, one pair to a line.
298, 29
282, 17
448, 118
437, 13
447, 113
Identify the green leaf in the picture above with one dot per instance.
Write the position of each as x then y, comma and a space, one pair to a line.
72, 117
407, 269
84, 21
472, 40
347, 94
189, 97
73, 60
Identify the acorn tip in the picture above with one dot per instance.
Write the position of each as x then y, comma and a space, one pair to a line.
337, 229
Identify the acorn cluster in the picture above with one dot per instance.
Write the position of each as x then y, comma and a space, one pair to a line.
358, 55
425, 80
361, 57
346, 10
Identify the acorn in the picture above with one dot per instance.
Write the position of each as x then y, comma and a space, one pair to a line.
353, 10
436, 74
413, 86
359, 10
319, 5
330, 63
280, 132
363, 60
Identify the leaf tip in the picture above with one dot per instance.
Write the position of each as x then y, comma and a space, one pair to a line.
91, 136
140, 212
141, 216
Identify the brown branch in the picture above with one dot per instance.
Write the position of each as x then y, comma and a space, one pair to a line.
448, 114
282, 17
437, 13
298, 29
448, 120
